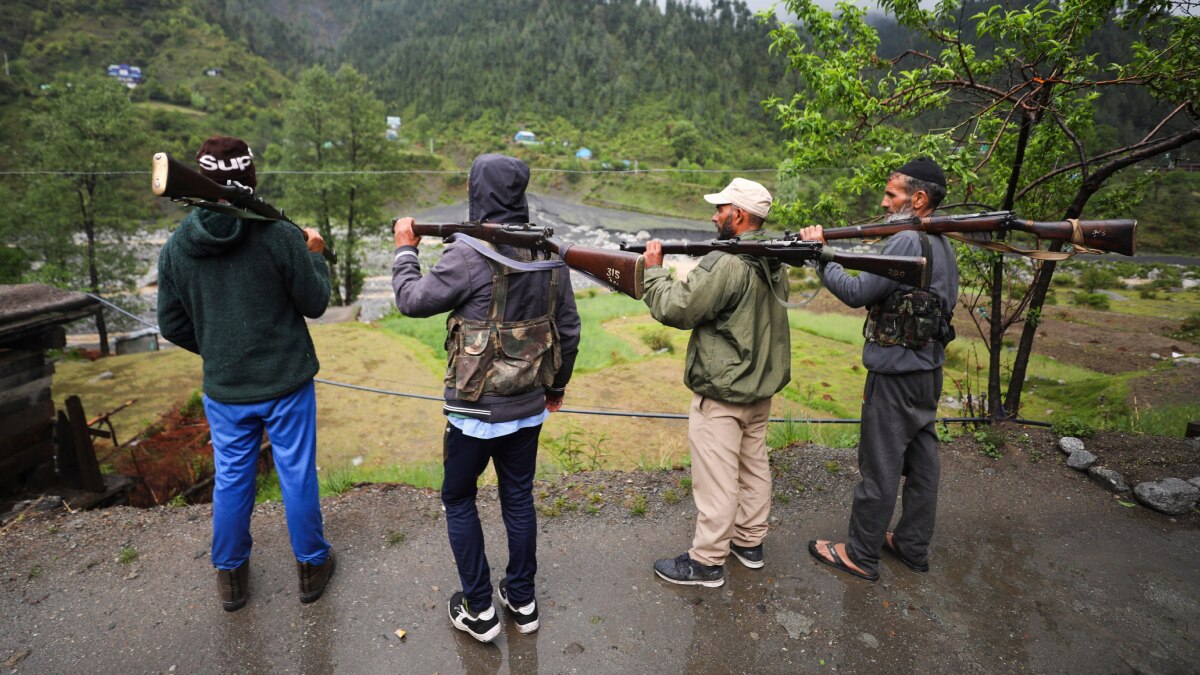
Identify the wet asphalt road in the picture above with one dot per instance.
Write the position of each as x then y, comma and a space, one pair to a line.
1033, 569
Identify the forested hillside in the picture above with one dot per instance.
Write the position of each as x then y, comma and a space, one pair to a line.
623, 73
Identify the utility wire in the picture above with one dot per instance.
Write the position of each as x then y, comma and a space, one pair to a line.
587, 411
624, 172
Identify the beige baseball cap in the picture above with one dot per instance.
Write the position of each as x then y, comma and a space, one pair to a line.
744, 194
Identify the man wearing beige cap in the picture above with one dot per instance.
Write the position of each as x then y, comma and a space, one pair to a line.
737, 358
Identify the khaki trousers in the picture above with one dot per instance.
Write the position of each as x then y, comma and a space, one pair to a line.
731, 478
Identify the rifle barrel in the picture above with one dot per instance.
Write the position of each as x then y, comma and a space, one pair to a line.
904, 269
1116, 236
173, 179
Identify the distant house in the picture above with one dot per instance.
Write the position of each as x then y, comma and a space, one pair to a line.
130, 76
525, 137
583, 153
214, 72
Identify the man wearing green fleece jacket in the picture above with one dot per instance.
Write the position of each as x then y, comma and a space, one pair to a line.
236, 292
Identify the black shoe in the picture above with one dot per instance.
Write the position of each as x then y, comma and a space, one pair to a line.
483, 627
526, 617
313, 578
751, 557
683, 570
234, 586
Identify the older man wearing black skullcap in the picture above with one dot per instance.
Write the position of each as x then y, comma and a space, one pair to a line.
906, 333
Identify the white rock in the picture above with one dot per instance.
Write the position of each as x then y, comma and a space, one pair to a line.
1069, 444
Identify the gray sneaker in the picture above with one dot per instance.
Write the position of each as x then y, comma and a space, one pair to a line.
687, 572
751, 557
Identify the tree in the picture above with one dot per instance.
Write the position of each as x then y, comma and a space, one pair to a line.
1005, 99
86, 127
334, 133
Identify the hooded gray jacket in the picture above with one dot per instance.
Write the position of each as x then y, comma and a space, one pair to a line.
461, 282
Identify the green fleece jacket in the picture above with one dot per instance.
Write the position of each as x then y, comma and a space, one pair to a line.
236, 292
740, 349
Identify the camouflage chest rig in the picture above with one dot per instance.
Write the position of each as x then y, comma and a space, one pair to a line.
910, 318
503, 358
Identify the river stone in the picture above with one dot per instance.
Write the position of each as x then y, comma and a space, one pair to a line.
1110, 479
1080, 460
1171, 496
1069, 444
1195, 481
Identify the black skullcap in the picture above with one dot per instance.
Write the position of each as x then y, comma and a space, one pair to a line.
923, 168
228, 160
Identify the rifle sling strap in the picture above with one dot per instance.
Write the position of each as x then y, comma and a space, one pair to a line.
226, 209
1076, 242
765, 273
517, 265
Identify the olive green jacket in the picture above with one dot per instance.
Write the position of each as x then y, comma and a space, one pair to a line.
740, 349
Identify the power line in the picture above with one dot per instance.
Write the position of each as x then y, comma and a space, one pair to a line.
432, 172
588, 411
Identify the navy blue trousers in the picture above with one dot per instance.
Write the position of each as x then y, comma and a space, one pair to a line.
515, 459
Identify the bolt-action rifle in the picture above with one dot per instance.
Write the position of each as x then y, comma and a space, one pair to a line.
904, 269
180, 182
619, 270
1101, 235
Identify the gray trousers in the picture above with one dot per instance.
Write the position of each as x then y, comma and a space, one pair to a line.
898, 439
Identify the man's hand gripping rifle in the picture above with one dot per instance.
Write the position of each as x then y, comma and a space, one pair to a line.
180, 182
904, 269
619, 270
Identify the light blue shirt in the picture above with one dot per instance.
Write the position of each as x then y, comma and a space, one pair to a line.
479, 429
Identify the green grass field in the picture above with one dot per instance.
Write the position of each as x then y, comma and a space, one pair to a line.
627, 362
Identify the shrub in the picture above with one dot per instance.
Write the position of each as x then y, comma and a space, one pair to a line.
658, 340
1071, 426
991, 441
1098, 276
1189, 329
1092, 300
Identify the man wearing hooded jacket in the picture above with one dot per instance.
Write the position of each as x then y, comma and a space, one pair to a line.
236, 292
496, 400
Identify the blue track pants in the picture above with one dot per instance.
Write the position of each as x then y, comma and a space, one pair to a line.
237, 429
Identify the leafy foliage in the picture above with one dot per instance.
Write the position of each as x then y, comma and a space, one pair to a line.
1004, 98
332, 123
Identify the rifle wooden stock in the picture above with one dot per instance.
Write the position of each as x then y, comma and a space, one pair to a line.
1116, 236
176, 180
618, 270
904, 269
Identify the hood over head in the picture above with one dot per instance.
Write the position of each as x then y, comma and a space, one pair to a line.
496, 190
205, 233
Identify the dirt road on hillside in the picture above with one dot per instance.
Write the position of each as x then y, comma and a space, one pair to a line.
1033, 569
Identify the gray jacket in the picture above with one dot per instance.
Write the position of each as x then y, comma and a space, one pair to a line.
868, 289
462, 282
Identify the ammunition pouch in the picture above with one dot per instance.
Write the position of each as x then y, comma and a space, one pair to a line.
502, 358
910, 318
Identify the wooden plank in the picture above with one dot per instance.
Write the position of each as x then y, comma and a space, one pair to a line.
15, 443
51, 337
19, 360
17, 379
23, 419
17, 405
28, 392
89, 468
66, 458
27, 459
